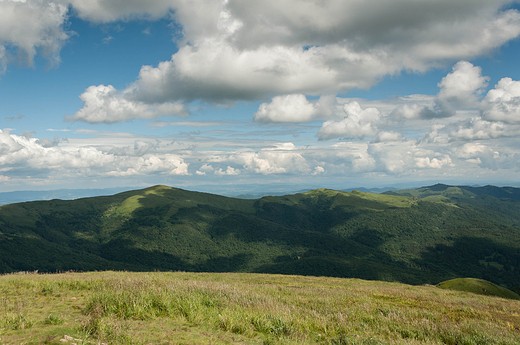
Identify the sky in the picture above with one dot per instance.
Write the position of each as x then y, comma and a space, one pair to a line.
221, 95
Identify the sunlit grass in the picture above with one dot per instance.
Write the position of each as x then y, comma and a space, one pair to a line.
190, 308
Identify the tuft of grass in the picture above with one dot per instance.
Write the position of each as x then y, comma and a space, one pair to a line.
53, 319
15, 321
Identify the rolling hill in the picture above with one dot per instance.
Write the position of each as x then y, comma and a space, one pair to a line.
419, 236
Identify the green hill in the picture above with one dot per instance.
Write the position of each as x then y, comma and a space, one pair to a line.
426, 235
479, 287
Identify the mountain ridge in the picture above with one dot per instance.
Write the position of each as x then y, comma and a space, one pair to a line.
426, 235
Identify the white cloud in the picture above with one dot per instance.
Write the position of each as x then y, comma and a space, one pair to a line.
280, 159
479, 154
295, 108
150, 164
458, 89
413, 111
107, 39
358, 123
31, 27
104, 104
290, 108
230, 52
318, 170
19, 154
351, 156
436, 134
405, 157
461, 87
503, 102
235, 51
479, 129
204, 169
229, 171
433, 163
217, 72
393, 158
385, 136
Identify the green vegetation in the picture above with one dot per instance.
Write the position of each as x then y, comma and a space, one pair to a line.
421, 236
211, 308
478, 286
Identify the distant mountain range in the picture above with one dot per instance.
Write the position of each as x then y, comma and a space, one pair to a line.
71, 194
64, 194
416, 236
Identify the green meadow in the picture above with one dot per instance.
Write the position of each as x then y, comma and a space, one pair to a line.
244, 308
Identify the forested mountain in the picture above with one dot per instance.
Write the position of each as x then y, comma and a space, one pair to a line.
419, 236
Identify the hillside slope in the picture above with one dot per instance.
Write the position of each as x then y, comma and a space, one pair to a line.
423, 236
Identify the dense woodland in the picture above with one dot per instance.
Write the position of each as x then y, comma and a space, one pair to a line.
419, 236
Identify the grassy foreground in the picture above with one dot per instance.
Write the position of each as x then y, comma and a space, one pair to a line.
240, 308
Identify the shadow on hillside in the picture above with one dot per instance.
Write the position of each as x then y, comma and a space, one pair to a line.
234, 263
21, 253
124, 251
248, 228
473, 257
362, 268
315, 217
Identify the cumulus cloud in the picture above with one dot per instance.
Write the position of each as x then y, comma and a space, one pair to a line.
229, 171
357, 123
318, 170
104, 104
413, 111
296, 108
204, 169
290, 108
168, 164
433, 163
436, 134
30, 27
385, 136
458, 89
479, 154
503, 102
402, 157
461, 87
280, 159
233, 52
20, 153
479, 129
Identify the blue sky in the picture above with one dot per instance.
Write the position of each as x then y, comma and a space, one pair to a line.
223, 95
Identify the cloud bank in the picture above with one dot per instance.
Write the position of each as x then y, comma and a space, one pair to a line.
293, 57
232, 51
